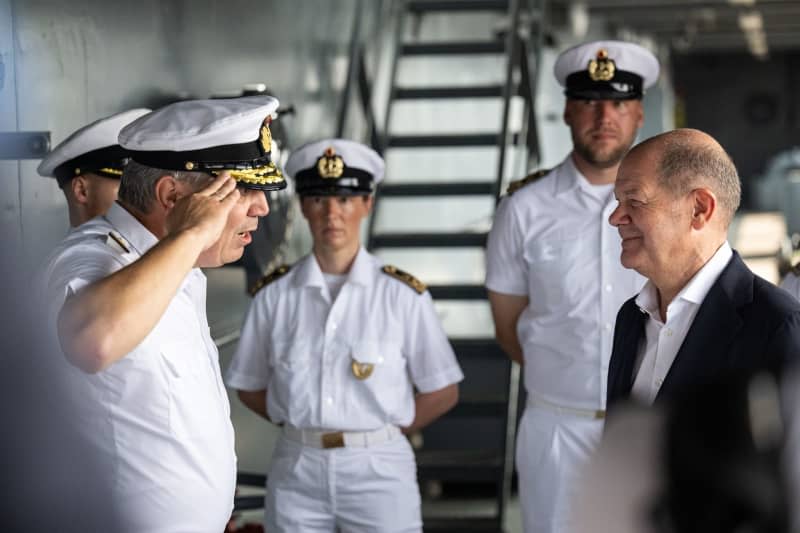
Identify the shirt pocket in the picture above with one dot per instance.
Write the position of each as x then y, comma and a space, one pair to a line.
382, 361
194, 399
293, 376
555, 266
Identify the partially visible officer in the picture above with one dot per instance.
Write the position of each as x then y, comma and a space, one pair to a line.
88, 165
554, 283
129, 301
333, 350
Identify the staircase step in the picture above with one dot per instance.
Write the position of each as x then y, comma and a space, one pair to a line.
248, 503
472, 348
468, 524
420, 6
251, 480
458, 292
453, 48
487, 404
425, 240
487, 91
459, 465
437, 189
424, 141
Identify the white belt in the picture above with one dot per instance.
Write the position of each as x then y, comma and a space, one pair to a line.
341, 439
595, 414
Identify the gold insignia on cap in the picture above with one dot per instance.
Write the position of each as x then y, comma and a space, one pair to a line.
361, 370
330, 165
405, 277
189, 165
113, 171
77, 172
602, 68
265, 136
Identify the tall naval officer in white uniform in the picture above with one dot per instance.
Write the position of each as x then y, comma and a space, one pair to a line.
88, 165
129, 303
347, 354
555, 283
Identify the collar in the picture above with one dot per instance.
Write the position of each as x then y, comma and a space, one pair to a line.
570, 178
309, 274
131, 229
693, 292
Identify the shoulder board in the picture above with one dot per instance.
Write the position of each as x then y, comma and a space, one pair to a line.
118, 242
269, 278
530, 178
405, 277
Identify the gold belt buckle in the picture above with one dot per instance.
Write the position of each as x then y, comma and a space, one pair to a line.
333, 440
599, 415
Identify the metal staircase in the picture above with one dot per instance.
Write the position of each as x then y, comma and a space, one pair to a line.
471, 446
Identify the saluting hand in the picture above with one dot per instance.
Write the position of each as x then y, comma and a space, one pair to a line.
205, 212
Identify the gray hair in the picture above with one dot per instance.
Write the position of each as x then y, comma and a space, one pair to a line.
686, 163
138, 184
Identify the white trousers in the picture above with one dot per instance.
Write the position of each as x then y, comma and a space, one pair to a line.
349, 490
551, 451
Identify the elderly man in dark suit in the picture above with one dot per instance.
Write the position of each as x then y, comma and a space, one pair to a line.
702, 313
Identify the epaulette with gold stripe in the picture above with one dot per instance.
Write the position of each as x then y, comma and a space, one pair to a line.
530, 178
405, 277
269, 278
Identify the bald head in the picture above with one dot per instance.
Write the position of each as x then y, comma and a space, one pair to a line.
688, 159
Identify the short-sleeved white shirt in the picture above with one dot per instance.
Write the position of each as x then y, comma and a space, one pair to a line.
551, 241
299, 345
160, 416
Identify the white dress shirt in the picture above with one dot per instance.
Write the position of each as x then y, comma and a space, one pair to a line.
159, 417
299, 345
551, 241
663, 340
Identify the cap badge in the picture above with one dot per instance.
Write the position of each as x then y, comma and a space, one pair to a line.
266, 136
602, 68
361, 370
330, 165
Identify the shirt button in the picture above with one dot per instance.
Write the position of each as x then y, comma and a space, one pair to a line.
329, 400
669, 333
380, 359
608, 287
608, 326
333, 326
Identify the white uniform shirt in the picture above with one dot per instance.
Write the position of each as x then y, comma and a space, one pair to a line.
159, 417
663, 340
299, 345
551, 241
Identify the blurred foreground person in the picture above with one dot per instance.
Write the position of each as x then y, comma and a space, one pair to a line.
706, 461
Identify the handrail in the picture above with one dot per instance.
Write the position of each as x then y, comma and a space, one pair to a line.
353, 60
511, 52
357, 76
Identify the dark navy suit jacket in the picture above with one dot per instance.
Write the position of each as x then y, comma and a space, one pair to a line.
744, 324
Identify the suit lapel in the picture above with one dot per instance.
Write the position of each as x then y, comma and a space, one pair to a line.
715, 327
630, 336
